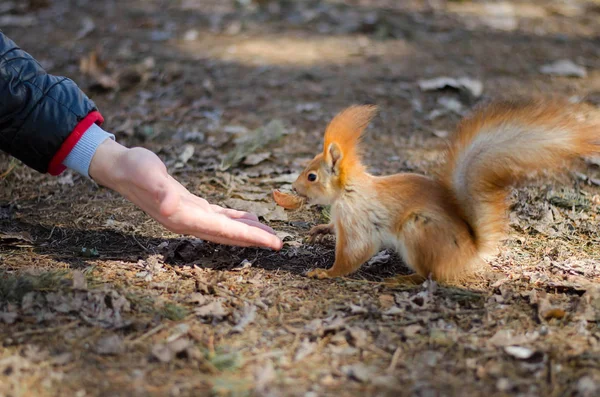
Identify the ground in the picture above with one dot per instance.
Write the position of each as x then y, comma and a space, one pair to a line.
96, 299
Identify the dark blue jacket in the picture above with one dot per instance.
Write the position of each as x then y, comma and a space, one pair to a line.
41, 116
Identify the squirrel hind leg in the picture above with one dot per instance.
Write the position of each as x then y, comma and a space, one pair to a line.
438, 247
411, 279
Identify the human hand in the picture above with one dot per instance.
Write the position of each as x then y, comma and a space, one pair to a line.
141, 177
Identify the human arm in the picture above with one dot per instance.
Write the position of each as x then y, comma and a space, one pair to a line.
141, 177
48, 123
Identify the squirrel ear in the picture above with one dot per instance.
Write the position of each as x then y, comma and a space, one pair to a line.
334, 155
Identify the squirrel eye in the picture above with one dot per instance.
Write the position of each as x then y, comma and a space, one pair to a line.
312, 177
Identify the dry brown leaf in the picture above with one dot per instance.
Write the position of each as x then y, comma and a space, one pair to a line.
93, 66
278, 214
546, 311
386, 301
214, 309
112, 344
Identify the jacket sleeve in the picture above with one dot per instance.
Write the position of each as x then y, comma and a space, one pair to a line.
42, 116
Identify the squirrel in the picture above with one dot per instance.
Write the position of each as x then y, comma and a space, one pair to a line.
446, 225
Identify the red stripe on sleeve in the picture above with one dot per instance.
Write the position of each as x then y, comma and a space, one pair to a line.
56, 166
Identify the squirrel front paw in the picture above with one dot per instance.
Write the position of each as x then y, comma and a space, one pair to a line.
318, 274
318, 231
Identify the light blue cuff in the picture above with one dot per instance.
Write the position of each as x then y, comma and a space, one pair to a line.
81, 156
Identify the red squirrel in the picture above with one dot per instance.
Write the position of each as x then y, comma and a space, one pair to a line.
443, 226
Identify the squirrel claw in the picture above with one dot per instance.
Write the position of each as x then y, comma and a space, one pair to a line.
317, 232
318, 274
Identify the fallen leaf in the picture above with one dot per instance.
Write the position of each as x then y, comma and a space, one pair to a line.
185, 156
412, 330
165, 352
357, 337
244, 265
565, 68
62, 358
285, 178
214, 310
519, 352
247, 144
394, 310
587, 386
194, 136
248, 316
235, 129
162, 353
506, 337
386, 301
17, 20
307, 107
191, 35
112, 344
263, 377
18, 239
259, 209
79, 281
93, 66
88, 27
284, 236
545, 309
447, 105
359, 372
278, 214
354, 309
66, 179
198, 298
380, 257
250, 196
256, 158
178, 331
501, 16
472, 86
305, 349
8, 317
588, 307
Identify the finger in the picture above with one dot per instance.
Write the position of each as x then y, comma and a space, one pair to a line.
256, 224
221, 240
220, 226
233, 214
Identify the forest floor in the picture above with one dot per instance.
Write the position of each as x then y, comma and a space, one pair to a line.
97, 299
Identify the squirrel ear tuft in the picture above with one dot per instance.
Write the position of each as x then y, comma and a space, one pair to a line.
333, 157
347, 127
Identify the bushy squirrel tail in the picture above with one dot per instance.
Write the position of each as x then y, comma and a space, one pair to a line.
503, 145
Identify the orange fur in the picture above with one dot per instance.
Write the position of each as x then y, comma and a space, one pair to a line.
345, 130
523, 136
442, 226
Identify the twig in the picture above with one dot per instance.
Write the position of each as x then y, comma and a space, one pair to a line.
45, 330
8, 171
153, 331
394, 361
140, 244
